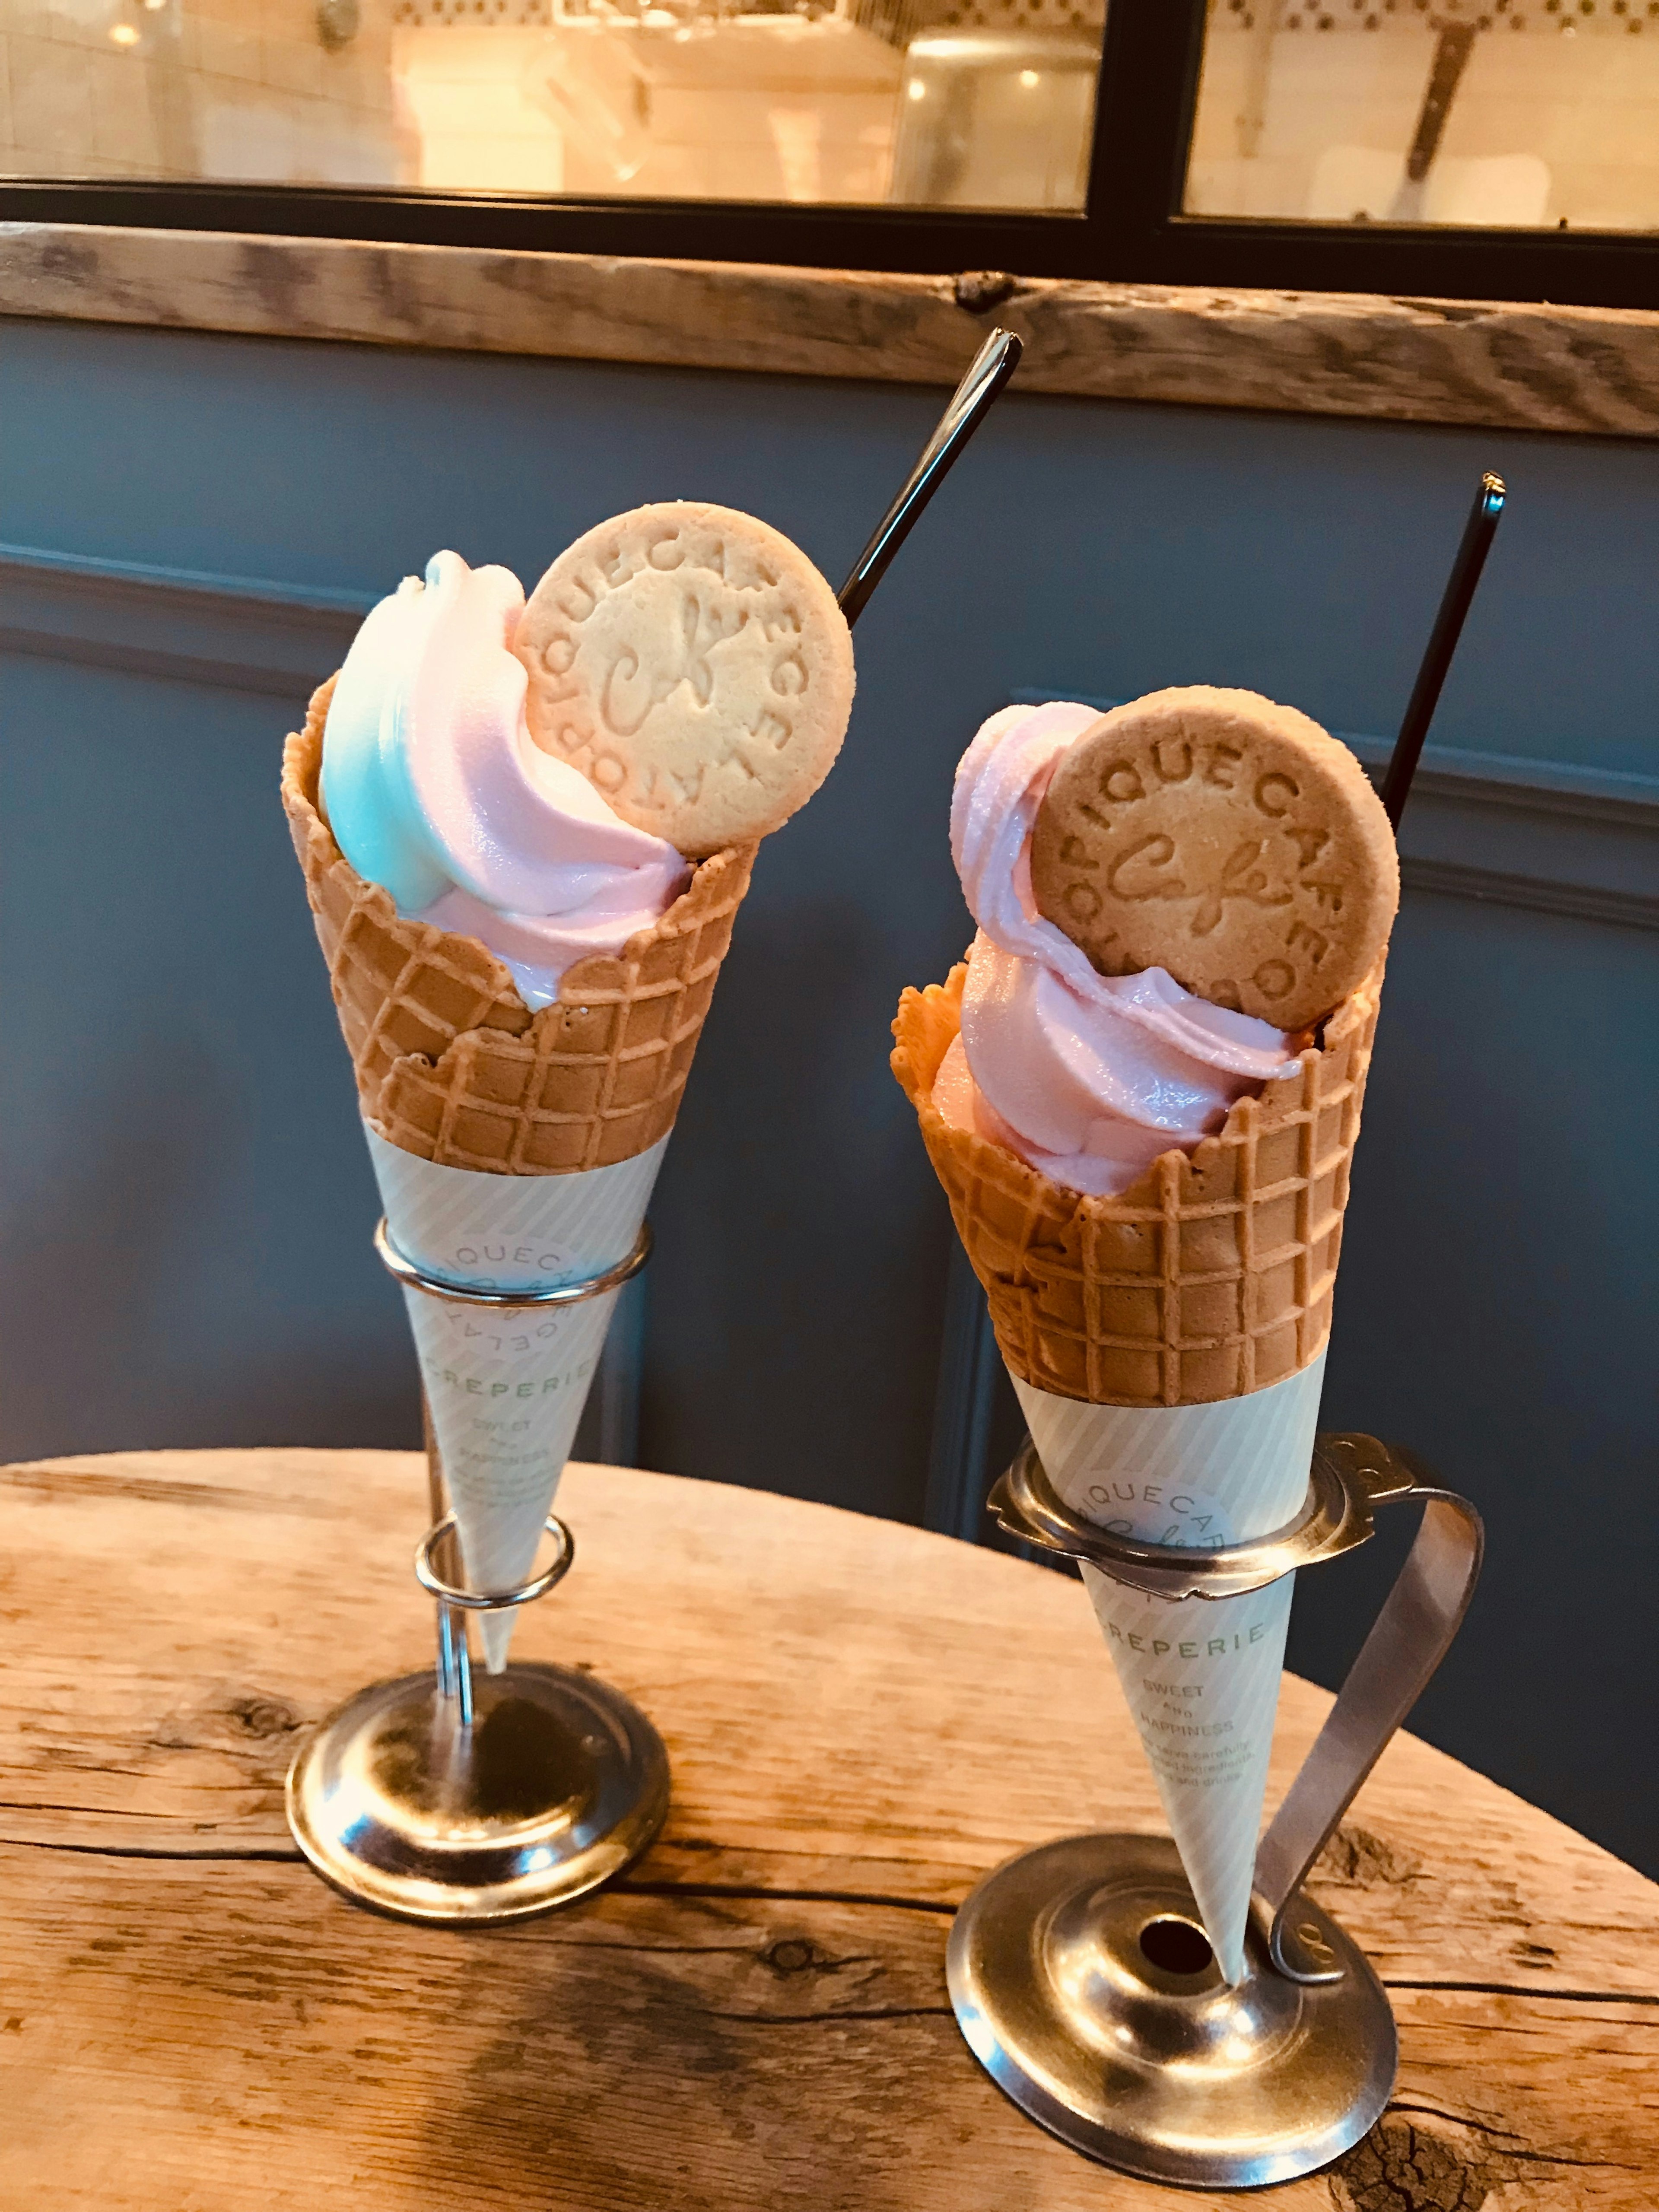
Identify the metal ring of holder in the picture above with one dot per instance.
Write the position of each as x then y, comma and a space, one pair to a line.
1172, 2075
561, 1294
527, 1593
466, 1803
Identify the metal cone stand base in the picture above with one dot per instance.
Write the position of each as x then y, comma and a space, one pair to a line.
1082, 1979
1080, 1972
465, 1800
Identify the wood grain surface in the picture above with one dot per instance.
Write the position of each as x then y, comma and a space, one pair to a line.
862, 1718
1513, 366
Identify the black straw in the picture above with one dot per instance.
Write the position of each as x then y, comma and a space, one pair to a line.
993, 365
1478, 534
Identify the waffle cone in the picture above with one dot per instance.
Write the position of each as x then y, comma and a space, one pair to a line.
452, 1065
1211, 1277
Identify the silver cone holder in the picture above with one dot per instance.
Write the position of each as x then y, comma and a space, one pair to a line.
463, 1799
1080, 1972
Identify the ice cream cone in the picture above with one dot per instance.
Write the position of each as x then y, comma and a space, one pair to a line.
505, 1387
496, 1133
452, 1065
1201, 1676
1210, 1277
1167, 1343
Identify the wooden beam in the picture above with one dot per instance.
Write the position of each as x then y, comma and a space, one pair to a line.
1588, 370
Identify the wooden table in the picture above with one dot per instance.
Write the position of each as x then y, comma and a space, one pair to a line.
862, 1718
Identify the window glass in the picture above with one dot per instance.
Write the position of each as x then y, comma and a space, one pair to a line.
925, 103
1514, 114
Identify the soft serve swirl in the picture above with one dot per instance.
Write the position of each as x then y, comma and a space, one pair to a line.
435, 789
1087, 1078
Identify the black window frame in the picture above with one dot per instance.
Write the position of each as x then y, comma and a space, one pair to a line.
1132, 231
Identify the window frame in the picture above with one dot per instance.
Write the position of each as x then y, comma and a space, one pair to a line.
1131, 230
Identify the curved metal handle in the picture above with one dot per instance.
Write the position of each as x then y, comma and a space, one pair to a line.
1408, 1640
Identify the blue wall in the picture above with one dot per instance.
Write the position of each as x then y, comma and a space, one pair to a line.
185, 1201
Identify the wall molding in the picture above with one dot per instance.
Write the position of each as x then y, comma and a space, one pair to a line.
241, 632
962, 1462
1544, 835
959, 1471
1547, 836
1592, 371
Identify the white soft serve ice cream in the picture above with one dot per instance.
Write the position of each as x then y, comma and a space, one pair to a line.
435, 789
1088, 1078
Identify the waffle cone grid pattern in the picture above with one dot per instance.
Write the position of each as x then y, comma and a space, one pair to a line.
1209, 1278
452, 1065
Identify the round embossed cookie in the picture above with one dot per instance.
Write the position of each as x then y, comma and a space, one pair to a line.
1228, 840
693, 664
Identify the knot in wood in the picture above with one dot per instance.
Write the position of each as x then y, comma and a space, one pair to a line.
792, 1954
1400, 2167
263, 1717
979, 290
1356, 1856
77, 262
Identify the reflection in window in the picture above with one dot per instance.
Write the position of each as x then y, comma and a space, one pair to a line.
958, 103
1490, 113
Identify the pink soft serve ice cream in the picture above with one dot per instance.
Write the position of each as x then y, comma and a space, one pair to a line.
1086, 1078
435, 789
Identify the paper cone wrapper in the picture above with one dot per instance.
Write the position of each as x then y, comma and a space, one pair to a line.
506, 1386
1201, 1676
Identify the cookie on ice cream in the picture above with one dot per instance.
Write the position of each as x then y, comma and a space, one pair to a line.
1226, 839
693, 664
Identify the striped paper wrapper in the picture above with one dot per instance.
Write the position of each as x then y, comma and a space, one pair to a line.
505, 1385
1200, 1675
